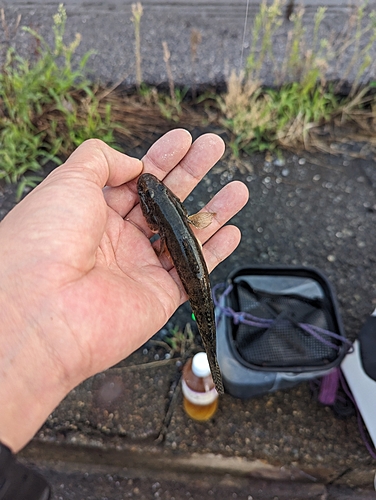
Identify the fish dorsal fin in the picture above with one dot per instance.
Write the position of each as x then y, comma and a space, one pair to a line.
201, 219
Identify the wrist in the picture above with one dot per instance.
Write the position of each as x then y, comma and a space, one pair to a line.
31, 381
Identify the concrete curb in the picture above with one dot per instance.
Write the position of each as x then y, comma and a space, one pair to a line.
220, 26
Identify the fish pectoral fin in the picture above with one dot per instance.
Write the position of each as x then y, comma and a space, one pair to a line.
162, 247
201, 219
163, 250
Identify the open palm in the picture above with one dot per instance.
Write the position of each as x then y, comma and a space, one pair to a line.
84, 285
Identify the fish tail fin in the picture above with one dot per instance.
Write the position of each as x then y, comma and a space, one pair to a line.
216, 373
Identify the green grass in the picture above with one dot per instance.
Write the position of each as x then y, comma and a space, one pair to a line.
301, 100
180, 341
47, 107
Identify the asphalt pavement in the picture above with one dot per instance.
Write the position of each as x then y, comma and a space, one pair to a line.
307, 209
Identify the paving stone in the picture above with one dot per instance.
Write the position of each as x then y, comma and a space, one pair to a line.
125, 402
289, 429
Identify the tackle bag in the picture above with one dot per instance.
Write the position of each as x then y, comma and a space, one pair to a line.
276, 327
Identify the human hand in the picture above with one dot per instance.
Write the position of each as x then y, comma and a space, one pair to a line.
80, 285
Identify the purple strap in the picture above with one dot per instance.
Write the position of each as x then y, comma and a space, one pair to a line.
329, 387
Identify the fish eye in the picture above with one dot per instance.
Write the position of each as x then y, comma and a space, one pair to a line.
151, 193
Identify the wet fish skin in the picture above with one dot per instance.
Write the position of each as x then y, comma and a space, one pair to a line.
165, 214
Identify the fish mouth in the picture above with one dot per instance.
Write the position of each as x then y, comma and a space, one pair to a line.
146, 181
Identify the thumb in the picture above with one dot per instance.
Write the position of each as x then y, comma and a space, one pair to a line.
97, 162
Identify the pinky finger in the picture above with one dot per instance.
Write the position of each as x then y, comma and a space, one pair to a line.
221, 245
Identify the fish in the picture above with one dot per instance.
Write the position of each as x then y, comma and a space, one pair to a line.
165, 214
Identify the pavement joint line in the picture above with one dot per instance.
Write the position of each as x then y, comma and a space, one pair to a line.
301, 488
153, 459
229, 471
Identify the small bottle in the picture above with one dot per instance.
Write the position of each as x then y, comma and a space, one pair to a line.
200, 398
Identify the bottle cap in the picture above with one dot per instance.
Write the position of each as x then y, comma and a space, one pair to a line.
200, 365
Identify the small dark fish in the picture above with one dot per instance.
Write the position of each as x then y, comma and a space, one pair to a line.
166, 215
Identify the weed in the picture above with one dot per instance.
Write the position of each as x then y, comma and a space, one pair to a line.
247, 113
170, 106
170, 78
181, 342
266, 23
47, 108
301, 99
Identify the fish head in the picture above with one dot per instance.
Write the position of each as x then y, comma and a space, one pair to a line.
150, 190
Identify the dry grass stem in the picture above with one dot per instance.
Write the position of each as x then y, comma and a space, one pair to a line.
170, 78
5, 25
195, 42
137, 12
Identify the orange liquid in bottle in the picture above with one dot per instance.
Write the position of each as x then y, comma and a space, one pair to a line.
200, 398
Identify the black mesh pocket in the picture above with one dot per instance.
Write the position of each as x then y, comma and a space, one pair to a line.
286, 331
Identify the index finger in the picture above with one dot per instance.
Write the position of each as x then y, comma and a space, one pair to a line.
205, 151
175, 161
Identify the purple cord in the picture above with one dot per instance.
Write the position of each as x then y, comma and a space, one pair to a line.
249, 319
311, 330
